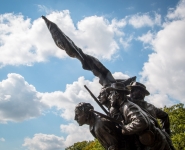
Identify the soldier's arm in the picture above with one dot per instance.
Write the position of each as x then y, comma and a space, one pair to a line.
164, 119
136, 120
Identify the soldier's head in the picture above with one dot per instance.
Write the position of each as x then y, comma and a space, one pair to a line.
82, 113
118, 93
137, 90
103, 96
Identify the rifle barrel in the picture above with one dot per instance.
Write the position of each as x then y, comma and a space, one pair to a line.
106, 117
97, 100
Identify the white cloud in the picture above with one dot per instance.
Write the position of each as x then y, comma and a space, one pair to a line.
23, 42
96, 36
178, 12
18, 100
52, 142
147, 39
67, 101
160, 100
44, 142
74, 131
142, 20
120, 75
125, 42
75, 93
2, 140
164, 72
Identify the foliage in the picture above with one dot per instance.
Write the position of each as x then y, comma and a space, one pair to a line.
85, 145
177, 125
94, 145
78, 145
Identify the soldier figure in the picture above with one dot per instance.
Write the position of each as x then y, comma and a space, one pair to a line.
138, 92
104, 130
136, 121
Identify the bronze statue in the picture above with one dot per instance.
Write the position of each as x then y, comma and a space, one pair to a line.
136, 121
138, 92
125, 122
104, 97
115, 116
104, 130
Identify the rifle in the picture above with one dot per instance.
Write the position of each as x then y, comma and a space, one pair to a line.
106, 117
97, 101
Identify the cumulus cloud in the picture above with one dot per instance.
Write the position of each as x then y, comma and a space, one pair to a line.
142, 20
18, 100
164, 72
24, 42
120, 75
178, 12
73, 131
66, 101
74, 94
44, 142
93, 29
52, 142
146, 38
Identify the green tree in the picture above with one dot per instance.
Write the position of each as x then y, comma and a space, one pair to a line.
177, 125
86, 145
94, 145
78, 145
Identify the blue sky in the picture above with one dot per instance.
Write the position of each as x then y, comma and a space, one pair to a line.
40, 85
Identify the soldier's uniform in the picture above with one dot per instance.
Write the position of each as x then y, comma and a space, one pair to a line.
136, 121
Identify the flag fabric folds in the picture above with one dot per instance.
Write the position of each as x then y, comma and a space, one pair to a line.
88, 62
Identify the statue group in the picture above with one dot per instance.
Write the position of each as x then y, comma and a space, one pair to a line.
130, 122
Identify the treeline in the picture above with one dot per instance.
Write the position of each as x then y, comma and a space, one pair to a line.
86, 145
177, 122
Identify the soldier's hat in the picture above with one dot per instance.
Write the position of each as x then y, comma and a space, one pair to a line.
119, 87
140, 86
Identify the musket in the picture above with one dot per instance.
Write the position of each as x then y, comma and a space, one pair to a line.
97, 101
106, 117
